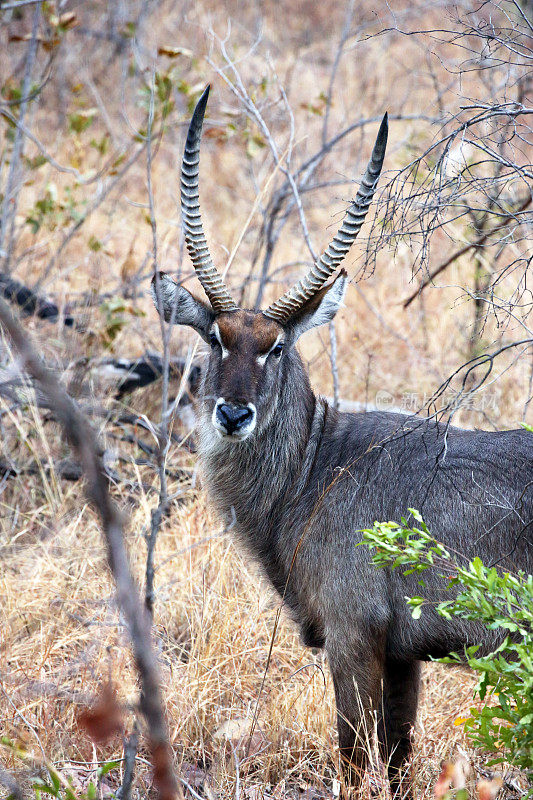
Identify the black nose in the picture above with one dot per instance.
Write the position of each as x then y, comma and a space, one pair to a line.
233, 417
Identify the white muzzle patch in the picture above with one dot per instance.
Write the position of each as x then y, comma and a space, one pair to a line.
233, 422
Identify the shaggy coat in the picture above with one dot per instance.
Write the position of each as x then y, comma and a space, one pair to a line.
298, 481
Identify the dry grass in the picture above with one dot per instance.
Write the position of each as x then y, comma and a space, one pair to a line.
60, 635
214, 621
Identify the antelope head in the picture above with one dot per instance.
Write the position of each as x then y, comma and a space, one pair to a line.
248, 348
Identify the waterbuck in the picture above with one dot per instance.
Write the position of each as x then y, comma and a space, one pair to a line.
300, 480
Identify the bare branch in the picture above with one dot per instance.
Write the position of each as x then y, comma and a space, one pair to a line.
162, 431
97, 202
44, 152
131, 744
18, 4
82, 439
458, 253
11, 193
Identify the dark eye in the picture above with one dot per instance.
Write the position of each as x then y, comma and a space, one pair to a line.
213, 341
277, 350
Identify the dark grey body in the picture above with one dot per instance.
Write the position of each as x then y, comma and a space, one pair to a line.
310, 479
300, 481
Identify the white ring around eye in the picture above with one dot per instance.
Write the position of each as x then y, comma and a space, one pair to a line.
216, 331
263, 357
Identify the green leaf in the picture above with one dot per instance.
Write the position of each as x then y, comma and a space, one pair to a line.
36, 162
106, 768
501, 602
94, 244
79, 121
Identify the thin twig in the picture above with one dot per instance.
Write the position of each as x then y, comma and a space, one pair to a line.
11, 193
458, 253
131, 744
333, 362
162, 431
92, 208
239, 90
157, 513
334, 69
18, 4
44, 152
329, 96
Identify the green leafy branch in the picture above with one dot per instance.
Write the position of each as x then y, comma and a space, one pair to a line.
499, 600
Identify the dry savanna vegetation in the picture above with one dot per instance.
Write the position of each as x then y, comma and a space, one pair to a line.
95, 98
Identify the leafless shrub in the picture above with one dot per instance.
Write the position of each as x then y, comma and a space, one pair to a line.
472, 184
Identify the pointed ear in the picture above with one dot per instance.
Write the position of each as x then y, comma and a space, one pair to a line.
319, 309
180, 307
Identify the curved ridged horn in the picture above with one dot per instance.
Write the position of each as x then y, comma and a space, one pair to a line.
327, 264
195, 239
